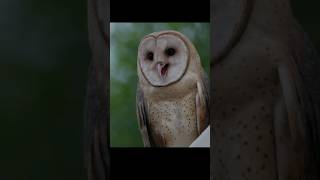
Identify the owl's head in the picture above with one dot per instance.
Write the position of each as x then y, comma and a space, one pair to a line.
163, 57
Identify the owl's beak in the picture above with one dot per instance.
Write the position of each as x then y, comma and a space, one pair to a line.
162, 69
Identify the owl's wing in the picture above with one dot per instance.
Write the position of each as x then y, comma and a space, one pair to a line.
202, 102
308, 65
143, 120
300, 81
206, 91
309, 71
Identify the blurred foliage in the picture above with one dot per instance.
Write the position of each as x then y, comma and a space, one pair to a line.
307, 14
43, 72
125, 39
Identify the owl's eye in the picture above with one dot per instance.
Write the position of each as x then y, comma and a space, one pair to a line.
170, 51
150, 56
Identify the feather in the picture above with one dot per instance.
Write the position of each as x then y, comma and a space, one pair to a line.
143, 119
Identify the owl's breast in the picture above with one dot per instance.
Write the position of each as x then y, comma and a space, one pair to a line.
244, 110
173, 122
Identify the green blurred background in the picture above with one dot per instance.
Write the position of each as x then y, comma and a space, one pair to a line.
43, 72
124, 42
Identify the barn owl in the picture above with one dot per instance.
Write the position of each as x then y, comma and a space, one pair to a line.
172, 91
266, 93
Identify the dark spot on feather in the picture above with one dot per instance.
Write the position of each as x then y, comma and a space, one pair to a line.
258, 149
239, 135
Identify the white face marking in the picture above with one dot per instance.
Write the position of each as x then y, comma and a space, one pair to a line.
163, 59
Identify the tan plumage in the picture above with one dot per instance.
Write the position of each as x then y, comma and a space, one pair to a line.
172, 92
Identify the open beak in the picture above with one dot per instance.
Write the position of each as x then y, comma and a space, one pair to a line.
162, 70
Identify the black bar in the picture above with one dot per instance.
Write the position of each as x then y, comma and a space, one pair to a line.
156, 163
160, 11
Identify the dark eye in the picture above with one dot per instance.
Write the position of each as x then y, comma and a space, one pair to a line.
170, 51
150, 56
